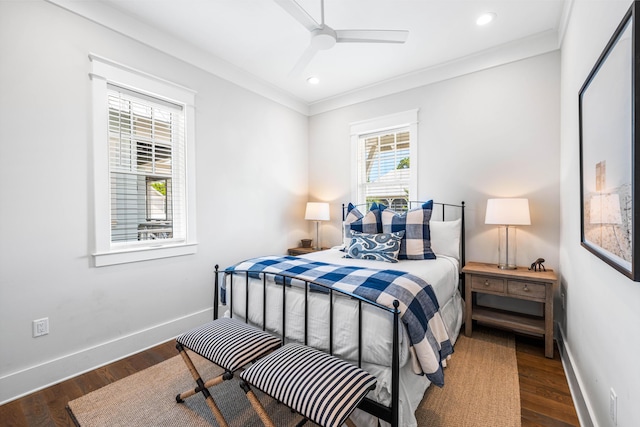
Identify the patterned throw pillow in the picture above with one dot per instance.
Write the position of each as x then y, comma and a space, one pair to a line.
377, 247
415, 223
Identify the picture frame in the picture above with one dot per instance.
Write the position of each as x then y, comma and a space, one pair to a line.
608, 120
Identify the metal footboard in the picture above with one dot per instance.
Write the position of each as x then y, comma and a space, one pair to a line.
390, 413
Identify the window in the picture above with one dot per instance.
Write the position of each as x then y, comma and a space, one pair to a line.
143, 166
385, 167
146, 144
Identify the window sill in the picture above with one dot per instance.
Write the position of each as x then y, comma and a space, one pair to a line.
125, 256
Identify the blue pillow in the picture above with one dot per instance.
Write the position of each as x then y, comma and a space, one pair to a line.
377, 247
415, 223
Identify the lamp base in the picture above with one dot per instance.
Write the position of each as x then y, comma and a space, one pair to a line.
507, 248
317, 246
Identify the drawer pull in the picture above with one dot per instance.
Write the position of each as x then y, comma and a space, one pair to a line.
526, 289
486, 283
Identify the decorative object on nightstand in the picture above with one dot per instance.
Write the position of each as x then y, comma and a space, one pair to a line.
317, 211
306, 243
538, 265
506, 213
520, 283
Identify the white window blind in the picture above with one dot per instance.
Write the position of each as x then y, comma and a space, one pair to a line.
384, 167
146, 168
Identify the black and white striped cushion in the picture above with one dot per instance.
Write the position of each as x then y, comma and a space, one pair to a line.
228, 343
317, 385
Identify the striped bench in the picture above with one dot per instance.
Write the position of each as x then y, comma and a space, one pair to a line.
230, 344
320, 387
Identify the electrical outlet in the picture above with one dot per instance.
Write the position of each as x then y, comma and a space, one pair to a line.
613, 407
40, 327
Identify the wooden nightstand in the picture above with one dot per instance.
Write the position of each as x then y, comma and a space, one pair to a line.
522, 284
302, 251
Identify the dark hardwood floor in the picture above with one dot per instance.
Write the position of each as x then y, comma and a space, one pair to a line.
544, 392
545, 399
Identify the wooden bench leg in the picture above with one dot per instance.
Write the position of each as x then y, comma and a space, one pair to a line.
202, 387
257, 406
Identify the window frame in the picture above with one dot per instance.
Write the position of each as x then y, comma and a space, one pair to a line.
104, 72
406, 119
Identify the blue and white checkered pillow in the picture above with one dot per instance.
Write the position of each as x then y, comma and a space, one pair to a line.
377, 247
416, 243
371, 223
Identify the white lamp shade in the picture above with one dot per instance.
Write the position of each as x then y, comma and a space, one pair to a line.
508, 212
317, 211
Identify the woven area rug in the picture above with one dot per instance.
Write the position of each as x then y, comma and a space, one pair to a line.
148, 398
481, 385
481, 390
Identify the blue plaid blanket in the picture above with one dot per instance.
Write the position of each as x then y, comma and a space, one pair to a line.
419, 309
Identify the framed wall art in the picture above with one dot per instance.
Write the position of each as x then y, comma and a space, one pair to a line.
608, 117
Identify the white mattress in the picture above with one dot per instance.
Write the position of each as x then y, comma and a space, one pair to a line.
441, 274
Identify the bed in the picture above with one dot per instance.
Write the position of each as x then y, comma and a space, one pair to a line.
298, 304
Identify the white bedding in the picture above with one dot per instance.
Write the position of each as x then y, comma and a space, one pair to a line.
441, 273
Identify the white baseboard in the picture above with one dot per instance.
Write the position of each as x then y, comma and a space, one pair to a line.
584, 408
34, 378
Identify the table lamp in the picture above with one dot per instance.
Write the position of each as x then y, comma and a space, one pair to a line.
506, 213
317, 211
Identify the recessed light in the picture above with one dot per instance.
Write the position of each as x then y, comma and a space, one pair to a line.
485, 18
313, 80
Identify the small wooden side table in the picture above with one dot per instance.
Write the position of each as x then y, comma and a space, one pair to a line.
521, 283
302, 251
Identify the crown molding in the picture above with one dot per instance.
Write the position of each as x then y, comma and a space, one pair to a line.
506, 53
130, 27
564, 20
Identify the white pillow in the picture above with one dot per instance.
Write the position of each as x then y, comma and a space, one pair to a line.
445, 237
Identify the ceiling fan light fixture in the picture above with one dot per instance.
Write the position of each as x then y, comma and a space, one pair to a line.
485, 18
323, 38
313, 80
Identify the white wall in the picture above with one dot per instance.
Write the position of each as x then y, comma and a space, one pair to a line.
493, 133
251, 188
602, 317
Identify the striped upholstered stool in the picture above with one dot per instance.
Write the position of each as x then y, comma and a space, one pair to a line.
320, 387
228, 343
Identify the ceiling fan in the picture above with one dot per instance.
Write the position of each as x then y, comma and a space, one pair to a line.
324, 37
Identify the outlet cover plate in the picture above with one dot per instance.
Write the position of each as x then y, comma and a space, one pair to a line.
40, 327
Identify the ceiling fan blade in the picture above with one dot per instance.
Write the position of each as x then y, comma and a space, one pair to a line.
371, 36
304, 60
298, 13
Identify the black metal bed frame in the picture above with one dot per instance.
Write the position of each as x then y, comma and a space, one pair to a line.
386, 413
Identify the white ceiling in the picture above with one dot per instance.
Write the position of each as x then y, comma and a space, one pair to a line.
260, 38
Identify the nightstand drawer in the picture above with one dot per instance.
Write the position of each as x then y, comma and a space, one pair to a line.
487, 283
526, 289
